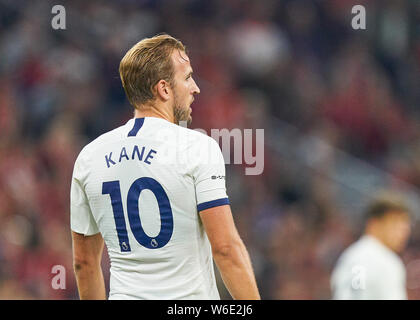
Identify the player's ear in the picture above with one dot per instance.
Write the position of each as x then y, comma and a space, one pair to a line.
163, 90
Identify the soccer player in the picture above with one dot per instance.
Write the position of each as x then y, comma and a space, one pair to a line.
370, 269
154, 192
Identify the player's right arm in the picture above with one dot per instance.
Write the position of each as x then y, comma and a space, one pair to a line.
87, 242
229, 253
87, 255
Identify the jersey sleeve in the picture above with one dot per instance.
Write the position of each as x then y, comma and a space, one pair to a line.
210, 177
81, 218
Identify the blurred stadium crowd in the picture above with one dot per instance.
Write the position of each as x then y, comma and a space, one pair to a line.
340, 109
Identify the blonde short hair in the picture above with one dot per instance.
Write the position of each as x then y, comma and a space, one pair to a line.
145, 64
386, 202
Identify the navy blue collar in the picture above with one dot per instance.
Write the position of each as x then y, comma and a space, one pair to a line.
138, 123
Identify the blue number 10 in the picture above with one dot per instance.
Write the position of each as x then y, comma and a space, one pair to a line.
167, 224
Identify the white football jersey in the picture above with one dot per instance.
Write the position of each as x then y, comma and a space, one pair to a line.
141, 186
368, 270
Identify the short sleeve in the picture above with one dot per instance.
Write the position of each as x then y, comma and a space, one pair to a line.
81, 218
210, 177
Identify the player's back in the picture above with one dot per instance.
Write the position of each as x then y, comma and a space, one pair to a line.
367, 269
140, 182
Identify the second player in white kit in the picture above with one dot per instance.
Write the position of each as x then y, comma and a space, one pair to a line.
371, 268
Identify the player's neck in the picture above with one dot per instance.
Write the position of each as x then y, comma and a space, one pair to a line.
155, 112
379, 236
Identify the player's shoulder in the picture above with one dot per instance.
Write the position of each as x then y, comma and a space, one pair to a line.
90, 148
193, 147
199, 137
356, 253
362, 248
378, 251
195, 139
368, 252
